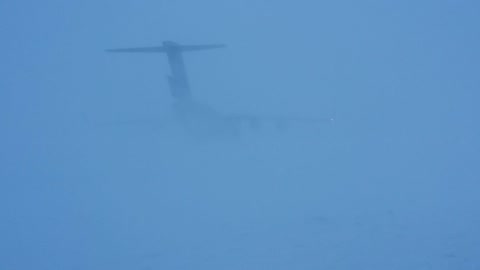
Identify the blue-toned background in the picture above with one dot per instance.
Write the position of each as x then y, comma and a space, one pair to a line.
89, 181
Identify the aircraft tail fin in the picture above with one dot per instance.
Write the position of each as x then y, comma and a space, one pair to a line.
178, 81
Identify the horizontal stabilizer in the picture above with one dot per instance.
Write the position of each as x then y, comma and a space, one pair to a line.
186, 48
156, 49
168, 47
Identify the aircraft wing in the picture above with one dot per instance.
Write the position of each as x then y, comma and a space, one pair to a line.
277, 121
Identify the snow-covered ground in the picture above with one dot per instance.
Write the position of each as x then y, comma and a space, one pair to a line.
144, 198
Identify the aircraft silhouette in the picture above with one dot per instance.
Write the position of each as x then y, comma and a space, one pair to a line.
197, 116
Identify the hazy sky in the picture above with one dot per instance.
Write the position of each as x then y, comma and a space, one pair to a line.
87, 181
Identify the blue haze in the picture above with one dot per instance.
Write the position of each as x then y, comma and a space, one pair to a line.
89, 180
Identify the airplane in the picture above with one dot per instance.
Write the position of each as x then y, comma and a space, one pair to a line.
196, 116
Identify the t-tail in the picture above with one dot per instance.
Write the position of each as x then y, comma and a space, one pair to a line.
178, 79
